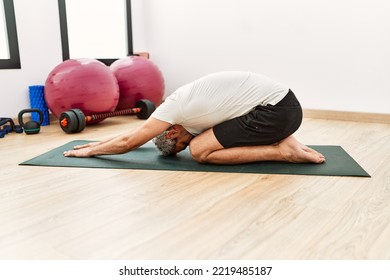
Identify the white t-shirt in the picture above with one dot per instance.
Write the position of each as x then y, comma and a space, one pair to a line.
218, 97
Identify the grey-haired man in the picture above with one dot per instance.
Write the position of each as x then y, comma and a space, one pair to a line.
225, 118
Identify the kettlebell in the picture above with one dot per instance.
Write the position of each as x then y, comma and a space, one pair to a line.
31, 127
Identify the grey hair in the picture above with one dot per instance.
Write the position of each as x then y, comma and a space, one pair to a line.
165, 146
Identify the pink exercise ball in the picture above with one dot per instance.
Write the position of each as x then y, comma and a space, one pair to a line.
85, 84
138, 78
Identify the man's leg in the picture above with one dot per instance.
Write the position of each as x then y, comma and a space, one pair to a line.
205, 148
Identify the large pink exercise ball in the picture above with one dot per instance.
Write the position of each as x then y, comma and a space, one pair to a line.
85, 84
138, 78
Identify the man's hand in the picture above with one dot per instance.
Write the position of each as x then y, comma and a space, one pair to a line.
81, 150
88, 145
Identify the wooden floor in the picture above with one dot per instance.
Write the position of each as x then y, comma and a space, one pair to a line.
70, 213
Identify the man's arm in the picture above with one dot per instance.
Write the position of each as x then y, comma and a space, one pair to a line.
122, 143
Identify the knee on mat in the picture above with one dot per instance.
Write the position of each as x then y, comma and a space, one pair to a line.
197, 154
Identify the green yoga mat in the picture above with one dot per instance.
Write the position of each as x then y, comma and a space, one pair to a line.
338, 162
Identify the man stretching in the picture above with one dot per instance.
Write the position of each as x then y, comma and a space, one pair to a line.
225, 118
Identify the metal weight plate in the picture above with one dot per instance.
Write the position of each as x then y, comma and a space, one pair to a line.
80, 119
68, 122
147, 108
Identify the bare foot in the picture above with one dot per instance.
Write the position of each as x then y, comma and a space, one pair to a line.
294, 151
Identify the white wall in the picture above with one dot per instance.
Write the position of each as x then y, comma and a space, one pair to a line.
333, 54
40, 50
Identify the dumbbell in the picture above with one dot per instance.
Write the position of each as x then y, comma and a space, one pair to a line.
74, 120
7, 128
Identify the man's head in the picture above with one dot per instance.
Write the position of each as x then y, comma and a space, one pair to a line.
173, 140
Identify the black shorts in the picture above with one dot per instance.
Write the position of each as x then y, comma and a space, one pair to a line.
264, 125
